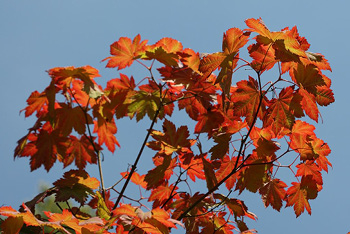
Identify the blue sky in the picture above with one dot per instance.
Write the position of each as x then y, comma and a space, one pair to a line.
38, 35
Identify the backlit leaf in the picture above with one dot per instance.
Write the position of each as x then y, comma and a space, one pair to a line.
75, 184
124, 52
106, 131
273, 193
246, 98
297, 197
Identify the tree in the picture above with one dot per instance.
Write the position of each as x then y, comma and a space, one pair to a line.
255, 128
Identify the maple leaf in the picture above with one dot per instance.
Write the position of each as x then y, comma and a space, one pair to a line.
258, 26
147, 100
266, 148
253, 177
171, 140
211, 62
246, 98
163, 217
190, 59
210, 121
79, 95
106, 131
162, 56
119, 92
287, 43
233, 40
309, 168
81, 151
36, 102
308, 77
219, 150
156, 176
104, 204
273, 193
68, 118
297, 197
308, 104
324, 95
300, 139
193, 166
125, 52
64, 76
227, 166
170, 45
279, 114
180, 77
197, 98
263, 55
165, 51
124, 209
29, 219
75, 184
161, 194
209, 173
136, 178
218, 224
102, 210
43, 149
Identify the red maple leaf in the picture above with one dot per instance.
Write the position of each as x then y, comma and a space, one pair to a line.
75, 184
246, 98
106, 131
171, 139
227, 166
36, 102
68, 118
280, 114
273, 193
81, 151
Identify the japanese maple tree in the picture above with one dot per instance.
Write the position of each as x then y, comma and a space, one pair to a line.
255, 127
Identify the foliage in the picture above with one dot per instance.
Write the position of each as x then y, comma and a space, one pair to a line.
251, 125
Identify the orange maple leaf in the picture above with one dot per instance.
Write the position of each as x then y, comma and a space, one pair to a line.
125, 52
161, 194
309, 168
136, 178
300, 139
297, 197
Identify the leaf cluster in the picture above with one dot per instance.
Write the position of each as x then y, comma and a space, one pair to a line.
250, 125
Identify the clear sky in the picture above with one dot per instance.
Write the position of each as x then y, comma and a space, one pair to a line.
38, 35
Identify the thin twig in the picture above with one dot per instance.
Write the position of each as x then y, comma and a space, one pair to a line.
133, 167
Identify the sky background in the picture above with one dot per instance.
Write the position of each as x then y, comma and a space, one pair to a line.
38, 35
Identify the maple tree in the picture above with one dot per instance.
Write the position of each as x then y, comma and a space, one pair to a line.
250, 125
